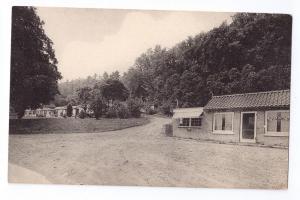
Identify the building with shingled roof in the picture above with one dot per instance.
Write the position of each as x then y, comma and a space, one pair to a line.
261, 117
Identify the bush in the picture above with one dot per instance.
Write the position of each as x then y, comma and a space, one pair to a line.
82, 114
69, 110
151, 111
119, 110
111, 113
97, 107
122, 111
149, 108
134, 107
166, 109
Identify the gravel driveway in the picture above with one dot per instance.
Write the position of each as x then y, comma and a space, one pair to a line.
143, 156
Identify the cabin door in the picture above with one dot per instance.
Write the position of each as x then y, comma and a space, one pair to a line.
248, 127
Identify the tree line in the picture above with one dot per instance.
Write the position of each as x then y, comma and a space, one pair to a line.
251, 54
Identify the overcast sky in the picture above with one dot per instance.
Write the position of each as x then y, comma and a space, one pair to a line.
88, 41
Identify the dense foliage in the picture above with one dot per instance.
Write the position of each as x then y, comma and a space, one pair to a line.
251, 54
98, 106
134, 107
69, 110
105, 98
34, 71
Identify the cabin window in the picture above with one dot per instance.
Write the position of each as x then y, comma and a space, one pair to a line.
190, 122
277, 123
196, 122
223, 123
184, 122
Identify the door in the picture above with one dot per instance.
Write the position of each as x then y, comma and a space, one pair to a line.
248, 126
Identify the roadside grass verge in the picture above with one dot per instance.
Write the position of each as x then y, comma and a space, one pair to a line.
72, 125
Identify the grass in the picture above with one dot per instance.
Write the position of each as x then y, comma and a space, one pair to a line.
71, 125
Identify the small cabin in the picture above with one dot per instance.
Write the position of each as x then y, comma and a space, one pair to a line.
262, 117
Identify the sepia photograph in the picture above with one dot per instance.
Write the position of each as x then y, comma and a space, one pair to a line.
158, 98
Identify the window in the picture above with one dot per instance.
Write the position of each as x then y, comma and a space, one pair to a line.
277, 123
223, 123
190, 122
184, 122
196, 122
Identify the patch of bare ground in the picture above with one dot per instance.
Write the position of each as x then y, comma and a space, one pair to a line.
143, 156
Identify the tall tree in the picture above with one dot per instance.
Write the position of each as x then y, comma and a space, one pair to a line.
114, 90
34, 73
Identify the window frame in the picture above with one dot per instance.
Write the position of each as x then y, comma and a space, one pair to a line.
190, 122
274, 133
195, 118
225, 132
182, 126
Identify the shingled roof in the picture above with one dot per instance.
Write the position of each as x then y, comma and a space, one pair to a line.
266, 100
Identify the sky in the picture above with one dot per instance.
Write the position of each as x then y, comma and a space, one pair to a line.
88, 40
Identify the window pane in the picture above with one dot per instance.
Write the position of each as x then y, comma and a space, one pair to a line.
278, 128
184, 122
218, 122
228, 121
271, 121
285, 121
278, 121
223, 121
196, 122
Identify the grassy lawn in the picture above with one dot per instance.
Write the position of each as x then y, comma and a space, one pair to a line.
71, 125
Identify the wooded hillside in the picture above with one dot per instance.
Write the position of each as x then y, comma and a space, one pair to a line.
251, 54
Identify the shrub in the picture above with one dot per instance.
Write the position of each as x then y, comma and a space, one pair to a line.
122, 111
166, 108
81, 114
149, 108
119, 110
134, 107
111, 113
151, 111
97, 107
69, 110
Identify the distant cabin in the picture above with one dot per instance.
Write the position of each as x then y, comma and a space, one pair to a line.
262, 117
51, 112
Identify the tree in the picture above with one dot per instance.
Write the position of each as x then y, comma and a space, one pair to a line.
84, 96
34, 73
69, 110
114, 90
60, 100
133, 80
97, 102
105, 76
134, 107
97, 106
115, 75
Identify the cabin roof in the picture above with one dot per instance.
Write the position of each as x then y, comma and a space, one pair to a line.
187, 112
266, 100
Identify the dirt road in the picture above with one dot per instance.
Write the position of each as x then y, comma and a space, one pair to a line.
143, 156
